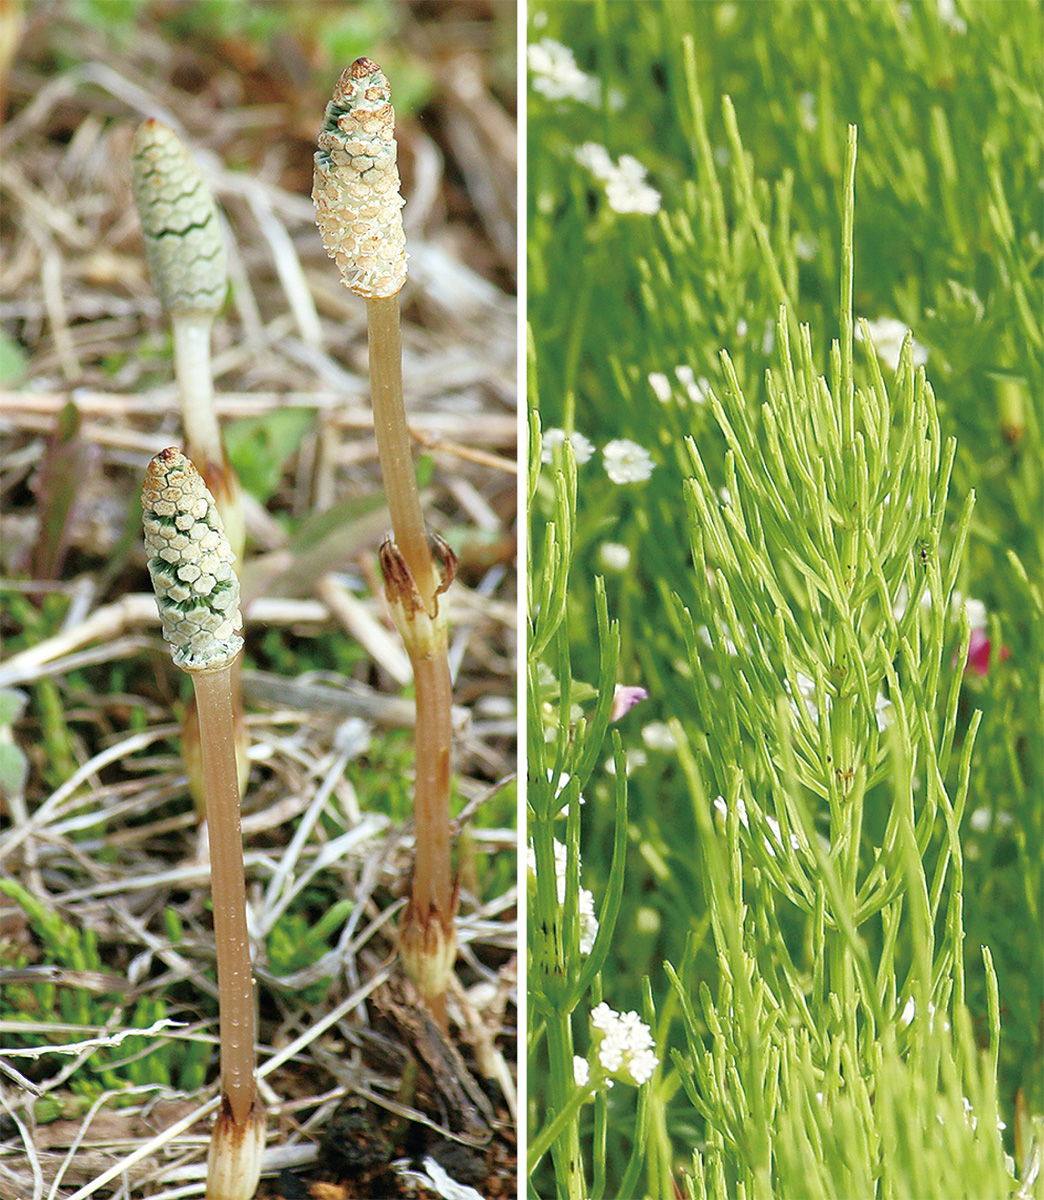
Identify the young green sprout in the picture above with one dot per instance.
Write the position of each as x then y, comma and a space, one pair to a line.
358, 210
187, 260
197, 592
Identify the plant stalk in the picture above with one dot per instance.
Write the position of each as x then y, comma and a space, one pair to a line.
393, 444
192, 370
358, 201
434, 697
228, 888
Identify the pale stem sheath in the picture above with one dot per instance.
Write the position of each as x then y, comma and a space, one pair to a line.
393, 444
228, 888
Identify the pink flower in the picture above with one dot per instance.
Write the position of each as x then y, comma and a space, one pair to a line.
979, 650
624, 699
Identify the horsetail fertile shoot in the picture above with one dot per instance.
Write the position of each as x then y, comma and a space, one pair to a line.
186, 254
358, 209
197, 592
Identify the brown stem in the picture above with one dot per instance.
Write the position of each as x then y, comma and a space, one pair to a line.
434, 697
228, 888
393, 444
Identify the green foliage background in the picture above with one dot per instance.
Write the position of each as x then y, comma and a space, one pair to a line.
947, 239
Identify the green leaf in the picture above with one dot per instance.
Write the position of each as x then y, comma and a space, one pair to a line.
259, 447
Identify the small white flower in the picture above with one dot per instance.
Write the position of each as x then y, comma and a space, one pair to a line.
768, 338
624, 1044
742, 328
806, 247
887, 335
563, 779
635, 758
596, 159
550, 438
657, 735
902, 599
982, 818
627, 191
807, 109
909, 1012
625, 186
949, 15
581, 1071
698, 390
974, 610
585, 898
614, 557
722, 807
660, 385
556, 75
806, 693
777, 833
882, 707
976, 613
627, 462
588, 921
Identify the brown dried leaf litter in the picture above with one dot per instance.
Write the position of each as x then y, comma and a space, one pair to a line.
109, 842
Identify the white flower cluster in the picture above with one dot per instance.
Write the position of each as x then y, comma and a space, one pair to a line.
806, 695
888, 335
585, 900
906, 1017
698, 390
973, 609
583, 449
625, 461
775, 830
624, 1045
625, 186
614, 556
556, 75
